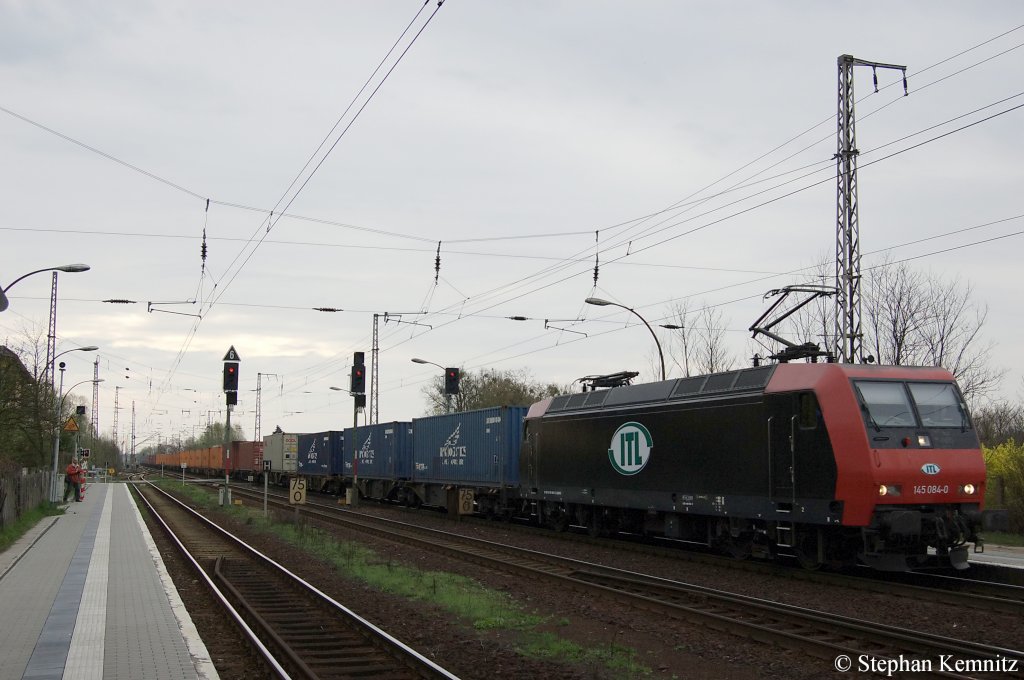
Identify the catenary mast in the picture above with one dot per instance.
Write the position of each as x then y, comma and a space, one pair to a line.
848, 333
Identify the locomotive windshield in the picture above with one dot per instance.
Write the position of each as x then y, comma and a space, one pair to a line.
892, 404
938, 404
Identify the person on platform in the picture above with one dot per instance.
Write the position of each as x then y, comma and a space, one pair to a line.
81, 482
71, 475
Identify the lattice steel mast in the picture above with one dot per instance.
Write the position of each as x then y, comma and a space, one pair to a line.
848, 334
374, 409
257, 438
96, 398
51, 335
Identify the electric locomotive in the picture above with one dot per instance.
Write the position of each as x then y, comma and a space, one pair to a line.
833, 463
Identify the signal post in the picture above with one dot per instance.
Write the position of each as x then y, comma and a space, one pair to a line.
357, 388
231, 360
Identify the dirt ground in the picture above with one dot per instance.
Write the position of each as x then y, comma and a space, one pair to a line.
666, 648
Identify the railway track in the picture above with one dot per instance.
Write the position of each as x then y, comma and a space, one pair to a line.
959, 591
813, 632
297, 630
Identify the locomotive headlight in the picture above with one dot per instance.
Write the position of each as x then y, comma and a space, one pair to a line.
889, 490
924, 441
968, 489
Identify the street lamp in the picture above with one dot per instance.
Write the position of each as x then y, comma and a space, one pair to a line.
447, 394
56, 437
604, 303
64, 268
87, 348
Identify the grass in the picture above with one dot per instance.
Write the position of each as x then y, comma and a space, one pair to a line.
1000, 538
10, 534
482, 608
617, 658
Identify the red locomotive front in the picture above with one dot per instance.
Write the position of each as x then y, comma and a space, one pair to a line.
910, 472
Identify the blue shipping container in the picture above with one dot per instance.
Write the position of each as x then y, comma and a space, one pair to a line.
475, 447
384, 451
320, 454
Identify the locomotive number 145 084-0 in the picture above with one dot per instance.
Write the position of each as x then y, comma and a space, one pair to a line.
930, 488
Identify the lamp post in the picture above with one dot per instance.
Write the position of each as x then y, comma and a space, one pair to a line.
56, 437
60, 405
355, 453
604, 303
63, 268
87, 348
447, 396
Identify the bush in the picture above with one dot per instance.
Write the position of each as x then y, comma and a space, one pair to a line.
1004, 486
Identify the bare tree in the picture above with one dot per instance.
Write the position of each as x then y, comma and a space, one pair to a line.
950, 338
712, 355
896, 306
916, 320
999, 422
699, 345
682, 341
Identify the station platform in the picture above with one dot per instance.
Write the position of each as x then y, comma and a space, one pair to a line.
85, 595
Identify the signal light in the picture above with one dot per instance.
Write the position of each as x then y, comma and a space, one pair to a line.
231, 376
358, 385
451, 381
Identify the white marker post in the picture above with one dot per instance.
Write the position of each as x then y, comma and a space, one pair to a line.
266, 474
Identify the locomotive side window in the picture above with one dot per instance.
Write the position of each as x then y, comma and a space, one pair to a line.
808, 411
886, 403
938, 404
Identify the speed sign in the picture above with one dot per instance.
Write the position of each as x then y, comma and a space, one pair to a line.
297, 490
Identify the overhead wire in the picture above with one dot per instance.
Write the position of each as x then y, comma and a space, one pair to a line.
569, 259
223, 289
568, 262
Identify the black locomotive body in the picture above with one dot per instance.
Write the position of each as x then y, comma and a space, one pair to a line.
743, 461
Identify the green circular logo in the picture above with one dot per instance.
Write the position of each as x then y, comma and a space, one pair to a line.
630, 448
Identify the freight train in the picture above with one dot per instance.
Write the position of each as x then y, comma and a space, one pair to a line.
836, 464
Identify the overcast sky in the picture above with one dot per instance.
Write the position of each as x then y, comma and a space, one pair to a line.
525, 137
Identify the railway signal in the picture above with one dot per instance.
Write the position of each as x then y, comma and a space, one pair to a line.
358, 385
231, 376
451, 381
358, 382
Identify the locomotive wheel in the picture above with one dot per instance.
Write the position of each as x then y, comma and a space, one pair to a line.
559, 522
806, 551
558, 518
740, 547
594, 521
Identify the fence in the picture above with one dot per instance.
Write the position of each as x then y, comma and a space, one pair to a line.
21, 493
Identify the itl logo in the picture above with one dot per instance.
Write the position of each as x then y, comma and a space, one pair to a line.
630, 448
930, 469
